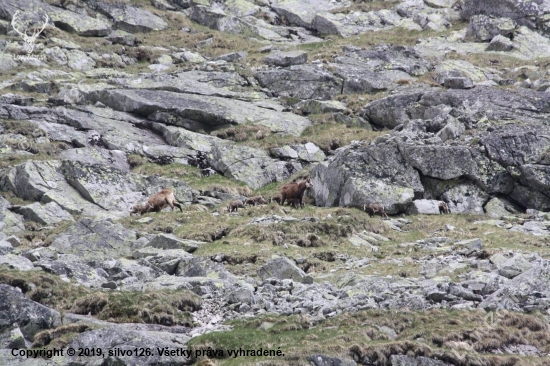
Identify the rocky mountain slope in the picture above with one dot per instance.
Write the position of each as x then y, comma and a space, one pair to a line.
401, 103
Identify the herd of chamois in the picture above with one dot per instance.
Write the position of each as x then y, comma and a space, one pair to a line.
291, 193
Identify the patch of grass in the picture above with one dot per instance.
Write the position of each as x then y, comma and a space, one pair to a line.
457, 337
155, 307
190, 175
59, 337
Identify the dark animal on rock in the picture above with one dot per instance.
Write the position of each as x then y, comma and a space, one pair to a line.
295, 192
374, 208
157, 203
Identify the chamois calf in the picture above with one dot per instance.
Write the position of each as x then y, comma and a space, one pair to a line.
235, 205
443, 207
373, 208
258, 200
157, 203
295, 192
276, 198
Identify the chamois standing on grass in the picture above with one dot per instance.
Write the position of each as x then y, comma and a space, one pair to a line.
374, 208
157, 203
443, 207
235, 205
295, 192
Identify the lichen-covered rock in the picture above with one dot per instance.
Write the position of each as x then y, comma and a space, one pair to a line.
113, 158
79, 23
302, 12
210, 111
121, 37
203, 267
524, 12
169, 241
18, 262
48, 214
78, 60
30, 316
526, 291
466, 198
131, 337
308, 152
283, 268
498, 207
470, 105
97, 239
9, 222
301, 82
424, 207
286, 58
355, 175
319, 106
132, 19
483, 28
250, 165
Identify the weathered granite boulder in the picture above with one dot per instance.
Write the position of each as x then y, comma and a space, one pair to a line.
498, 207
209, 111
524, 12
250, 165
31, 317
121, 37
466, 198
90, 156
355, 175
483, 28
283, 268
308, 152
18, 262
9, 221
169, 241
130, 18
79, 23
203, 267
469, 106
424, 207
48, 214
526, 291
286, 58
320, 360
301, 82
302, 13
130, 337
97, 239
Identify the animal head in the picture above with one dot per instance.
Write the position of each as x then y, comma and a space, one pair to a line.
308, 182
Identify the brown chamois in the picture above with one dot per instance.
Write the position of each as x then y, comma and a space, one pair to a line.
235, 205
373, 208
276, 198
258, 200
157, 203
443, 207
295, 192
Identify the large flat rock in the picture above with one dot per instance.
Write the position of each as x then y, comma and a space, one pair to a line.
81, 24
209, 111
